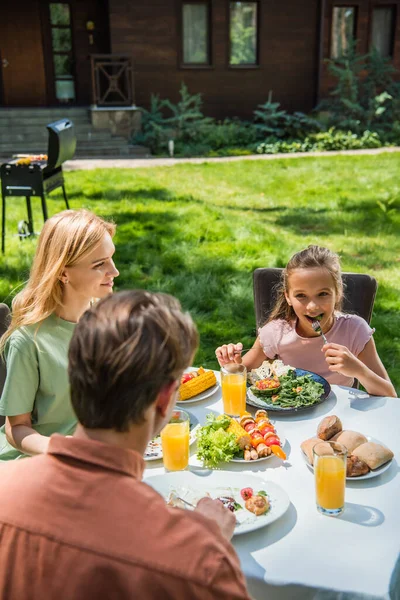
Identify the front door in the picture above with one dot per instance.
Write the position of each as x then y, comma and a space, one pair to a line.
22, 62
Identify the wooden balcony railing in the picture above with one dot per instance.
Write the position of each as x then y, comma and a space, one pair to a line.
112, 80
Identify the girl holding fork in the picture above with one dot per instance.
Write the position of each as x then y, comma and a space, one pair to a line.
311, 290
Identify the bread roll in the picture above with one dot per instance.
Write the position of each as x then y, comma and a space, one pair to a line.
373, 454
356, 467
329, 427
349, 439
308, 445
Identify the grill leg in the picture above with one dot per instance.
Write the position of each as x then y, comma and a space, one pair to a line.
65, 196
30, 217
3, 223
44, 208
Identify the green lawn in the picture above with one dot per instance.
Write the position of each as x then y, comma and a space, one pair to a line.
198, 231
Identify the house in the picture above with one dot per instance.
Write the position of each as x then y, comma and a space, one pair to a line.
232, 52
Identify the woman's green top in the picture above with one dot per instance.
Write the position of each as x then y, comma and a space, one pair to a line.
37, 380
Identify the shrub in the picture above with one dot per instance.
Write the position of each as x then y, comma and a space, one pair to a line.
365, 97
323, 141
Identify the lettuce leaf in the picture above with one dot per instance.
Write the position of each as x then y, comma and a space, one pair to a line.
214, 443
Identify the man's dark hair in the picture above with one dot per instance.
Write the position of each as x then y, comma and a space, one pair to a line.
123, 351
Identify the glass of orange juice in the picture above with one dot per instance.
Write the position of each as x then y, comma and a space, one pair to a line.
175, 441
330, 461
233, 382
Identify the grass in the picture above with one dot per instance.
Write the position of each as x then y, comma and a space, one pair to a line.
199, 231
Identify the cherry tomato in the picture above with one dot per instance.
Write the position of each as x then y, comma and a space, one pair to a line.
186, 377
272, 441
246, 493
266, 429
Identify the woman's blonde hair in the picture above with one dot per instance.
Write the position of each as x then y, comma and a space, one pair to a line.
65, 239
310, 258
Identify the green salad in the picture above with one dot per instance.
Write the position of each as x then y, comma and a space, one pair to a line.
294, 391
214, 443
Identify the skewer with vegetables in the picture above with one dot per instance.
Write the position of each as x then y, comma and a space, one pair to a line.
262, 432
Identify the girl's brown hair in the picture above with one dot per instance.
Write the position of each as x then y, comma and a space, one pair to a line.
66, 238
310, 258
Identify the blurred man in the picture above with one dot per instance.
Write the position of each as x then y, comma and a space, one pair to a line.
78, 522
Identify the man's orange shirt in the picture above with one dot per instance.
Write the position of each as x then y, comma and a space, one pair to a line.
78, 522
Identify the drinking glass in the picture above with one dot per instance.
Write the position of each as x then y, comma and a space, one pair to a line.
233, 382
330, 460
175, 441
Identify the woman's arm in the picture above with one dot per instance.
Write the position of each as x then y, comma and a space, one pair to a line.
20, 435
229, 353
367, 367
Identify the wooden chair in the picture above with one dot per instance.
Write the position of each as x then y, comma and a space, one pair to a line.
5, 317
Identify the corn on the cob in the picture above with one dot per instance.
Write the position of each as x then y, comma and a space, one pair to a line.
203, 381
242, 437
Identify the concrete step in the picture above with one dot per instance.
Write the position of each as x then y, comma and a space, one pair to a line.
39, 129
39, 121
42, 138
43, 112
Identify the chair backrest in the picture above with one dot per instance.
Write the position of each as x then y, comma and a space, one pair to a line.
360, 292
5, 318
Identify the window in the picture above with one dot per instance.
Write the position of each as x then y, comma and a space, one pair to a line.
195, 26
61, 39
343, 29
243, 33
383, 19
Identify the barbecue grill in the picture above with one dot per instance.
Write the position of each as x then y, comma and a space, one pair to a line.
29, 175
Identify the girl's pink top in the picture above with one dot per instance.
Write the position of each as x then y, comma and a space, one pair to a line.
279, 338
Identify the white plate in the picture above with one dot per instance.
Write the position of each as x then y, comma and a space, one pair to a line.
201, 396
369, 475
218, 483
154, 447
252, 462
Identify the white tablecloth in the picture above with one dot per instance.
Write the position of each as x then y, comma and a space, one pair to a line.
305, 555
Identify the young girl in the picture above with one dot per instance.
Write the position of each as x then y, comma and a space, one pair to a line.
311, 288
73, 264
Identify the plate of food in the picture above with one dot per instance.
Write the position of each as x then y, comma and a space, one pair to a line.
367, 456
225, 439
197, 385
154, 447
281, 388
254, 501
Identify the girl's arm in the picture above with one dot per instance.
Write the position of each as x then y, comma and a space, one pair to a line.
20, 435
229, 353
367, 367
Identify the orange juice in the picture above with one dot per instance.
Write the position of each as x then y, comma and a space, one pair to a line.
330, 481
234, 393
175, 446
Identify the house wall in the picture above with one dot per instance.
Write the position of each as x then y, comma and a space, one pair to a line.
288, 55
362, 34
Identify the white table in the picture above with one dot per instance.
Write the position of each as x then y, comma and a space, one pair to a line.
305, 555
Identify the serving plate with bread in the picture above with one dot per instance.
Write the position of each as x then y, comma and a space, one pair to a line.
367, 457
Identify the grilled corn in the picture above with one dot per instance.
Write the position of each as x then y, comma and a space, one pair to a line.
203, 381
242, 437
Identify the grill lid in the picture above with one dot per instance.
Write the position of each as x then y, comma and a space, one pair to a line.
62, 143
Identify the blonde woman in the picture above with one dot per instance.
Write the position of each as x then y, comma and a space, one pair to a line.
73, 264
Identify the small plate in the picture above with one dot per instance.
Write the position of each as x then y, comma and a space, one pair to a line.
154, 447
252, 462
369, 475
191, 487
202, 396
269, 406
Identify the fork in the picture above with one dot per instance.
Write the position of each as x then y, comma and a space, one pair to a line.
317, 328
192, 506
